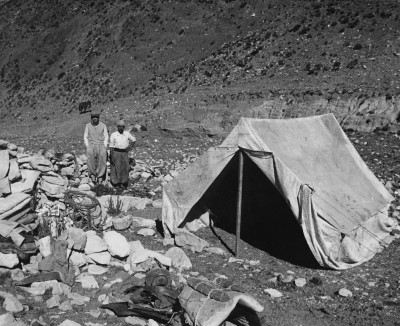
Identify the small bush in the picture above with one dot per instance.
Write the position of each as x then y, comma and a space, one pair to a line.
114, 209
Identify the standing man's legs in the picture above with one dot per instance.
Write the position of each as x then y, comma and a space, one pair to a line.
101, 162
124, 169
91, 162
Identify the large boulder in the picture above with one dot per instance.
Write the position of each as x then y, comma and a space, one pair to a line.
94, 244
117, 244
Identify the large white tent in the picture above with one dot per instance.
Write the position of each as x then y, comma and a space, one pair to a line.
311, 169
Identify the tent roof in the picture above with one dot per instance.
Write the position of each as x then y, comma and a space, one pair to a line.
319, 153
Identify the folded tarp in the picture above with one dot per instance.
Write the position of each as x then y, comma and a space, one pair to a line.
27, 183
338, 202
14, 206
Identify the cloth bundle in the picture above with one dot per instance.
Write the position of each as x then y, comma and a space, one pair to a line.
208, 304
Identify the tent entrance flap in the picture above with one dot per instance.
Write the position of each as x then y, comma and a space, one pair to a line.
267, 221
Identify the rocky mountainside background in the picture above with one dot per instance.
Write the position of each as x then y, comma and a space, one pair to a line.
198, 65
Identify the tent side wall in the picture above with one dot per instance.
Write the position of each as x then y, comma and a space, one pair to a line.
324, 239
181, 194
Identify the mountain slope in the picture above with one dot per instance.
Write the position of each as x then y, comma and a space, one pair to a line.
200, 58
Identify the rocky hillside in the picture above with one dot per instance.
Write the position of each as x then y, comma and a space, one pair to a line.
200, 63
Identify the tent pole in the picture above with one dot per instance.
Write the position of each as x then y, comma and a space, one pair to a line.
239, 202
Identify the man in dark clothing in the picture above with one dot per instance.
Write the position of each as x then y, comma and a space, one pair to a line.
96, 140
119, 159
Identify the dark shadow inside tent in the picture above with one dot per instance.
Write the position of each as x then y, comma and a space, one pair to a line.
267, 221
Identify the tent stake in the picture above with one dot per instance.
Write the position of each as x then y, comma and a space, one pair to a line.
239, 203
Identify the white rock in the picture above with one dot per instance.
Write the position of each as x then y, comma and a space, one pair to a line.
8, 260
117, 244
143, 203
122, 223
94, 244
17, 275
135, 246
44, 246
168, 242
66, 289
33, 291
179, 259
143, 222
135, 321
77, 298
138, 257
102, 258
11, 303
97, 270
300, 282
76, 258
65, 306
102, 297
6, 319
273, 293
216, 250
345, 293
152, 323
144, 176
87, 281
56, 287
184, 238
146, 232
157, 203
68, 322
168, 178
54, 301
76, 238
95, 313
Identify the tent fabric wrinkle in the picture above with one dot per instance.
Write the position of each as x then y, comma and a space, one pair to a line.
339, 204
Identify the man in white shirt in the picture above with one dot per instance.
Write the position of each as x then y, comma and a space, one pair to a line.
96, 140
119, 147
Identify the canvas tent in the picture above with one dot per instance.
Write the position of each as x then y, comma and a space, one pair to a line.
305, 168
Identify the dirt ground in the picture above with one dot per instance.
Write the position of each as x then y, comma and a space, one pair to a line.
375, 285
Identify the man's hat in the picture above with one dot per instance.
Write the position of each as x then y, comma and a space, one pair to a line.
95, 114
121, 123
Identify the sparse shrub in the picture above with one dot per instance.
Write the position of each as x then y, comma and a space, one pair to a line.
114, 209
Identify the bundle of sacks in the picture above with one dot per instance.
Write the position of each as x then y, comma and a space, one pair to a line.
27, 177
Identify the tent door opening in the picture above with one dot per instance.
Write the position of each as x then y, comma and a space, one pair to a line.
267, 223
